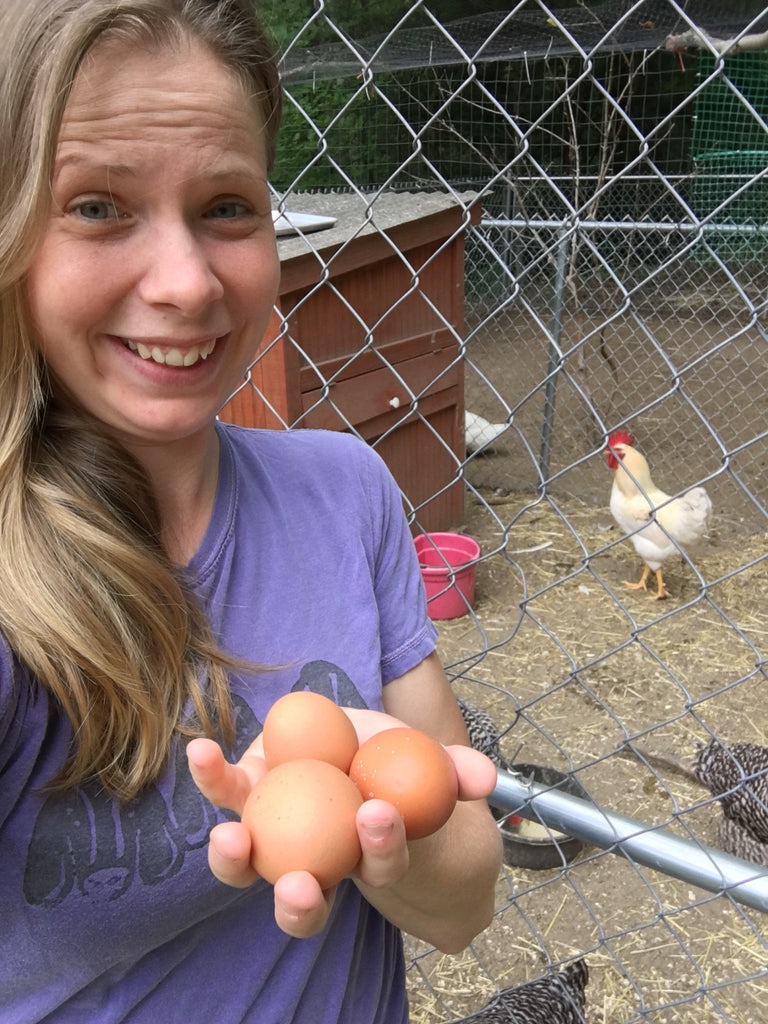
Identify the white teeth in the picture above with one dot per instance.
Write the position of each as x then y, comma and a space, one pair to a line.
172, 356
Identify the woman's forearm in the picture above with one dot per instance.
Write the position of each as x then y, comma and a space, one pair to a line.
447, 895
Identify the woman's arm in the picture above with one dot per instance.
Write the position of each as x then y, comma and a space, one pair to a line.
446, 896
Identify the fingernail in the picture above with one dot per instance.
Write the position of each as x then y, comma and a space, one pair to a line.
379, 831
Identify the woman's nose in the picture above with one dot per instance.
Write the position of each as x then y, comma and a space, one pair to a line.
178, 272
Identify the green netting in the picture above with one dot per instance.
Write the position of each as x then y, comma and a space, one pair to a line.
731, 107
729, 145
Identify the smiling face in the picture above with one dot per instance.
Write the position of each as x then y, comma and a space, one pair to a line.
158, 270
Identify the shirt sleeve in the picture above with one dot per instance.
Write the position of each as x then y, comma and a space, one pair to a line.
407, 633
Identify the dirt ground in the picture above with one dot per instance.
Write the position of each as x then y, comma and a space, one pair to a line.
574, 668
568, 678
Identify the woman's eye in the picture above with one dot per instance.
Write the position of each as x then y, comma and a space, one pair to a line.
96, 209
227, 210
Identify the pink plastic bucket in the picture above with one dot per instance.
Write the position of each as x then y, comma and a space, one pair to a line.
447, 562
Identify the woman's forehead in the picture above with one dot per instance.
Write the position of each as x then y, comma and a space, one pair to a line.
184, 93
115, 73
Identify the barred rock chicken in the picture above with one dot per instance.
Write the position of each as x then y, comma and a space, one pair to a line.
738, 775
483, 731
556, 998
657, 524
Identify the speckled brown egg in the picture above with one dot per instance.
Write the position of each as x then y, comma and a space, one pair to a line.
301, 816
411, 770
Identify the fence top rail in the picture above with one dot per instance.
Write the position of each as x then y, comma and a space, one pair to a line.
650, 845
568, 223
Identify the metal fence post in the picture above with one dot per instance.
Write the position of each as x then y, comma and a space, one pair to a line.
553, 357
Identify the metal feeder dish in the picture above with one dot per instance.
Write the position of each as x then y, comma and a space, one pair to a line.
529, 844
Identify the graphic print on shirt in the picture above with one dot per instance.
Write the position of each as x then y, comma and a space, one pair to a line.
330, 681
84, 841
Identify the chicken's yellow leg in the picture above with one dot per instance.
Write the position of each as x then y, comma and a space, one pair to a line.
641, 583
661, 591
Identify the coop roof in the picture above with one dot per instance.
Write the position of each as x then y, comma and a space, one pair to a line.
523, 34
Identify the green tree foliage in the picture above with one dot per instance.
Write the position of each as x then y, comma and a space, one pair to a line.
420, 125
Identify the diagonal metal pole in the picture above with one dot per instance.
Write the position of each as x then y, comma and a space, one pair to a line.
650, 845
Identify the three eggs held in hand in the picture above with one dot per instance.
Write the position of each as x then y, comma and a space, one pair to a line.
302, 813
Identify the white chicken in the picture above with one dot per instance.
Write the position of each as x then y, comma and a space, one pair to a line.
480, 433
657, 524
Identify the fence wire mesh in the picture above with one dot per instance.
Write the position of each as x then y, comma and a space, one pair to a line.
606, 167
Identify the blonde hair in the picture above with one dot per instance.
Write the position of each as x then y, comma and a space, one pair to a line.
89, 600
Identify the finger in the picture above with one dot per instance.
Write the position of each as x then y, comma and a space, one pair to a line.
476, 772
367, 723
229, 854
214, 776
301, 906
224, 784
385, 856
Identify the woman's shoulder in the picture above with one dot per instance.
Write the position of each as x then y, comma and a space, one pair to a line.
304, 451
298, 440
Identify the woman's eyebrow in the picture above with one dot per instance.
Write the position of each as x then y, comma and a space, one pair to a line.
238, 169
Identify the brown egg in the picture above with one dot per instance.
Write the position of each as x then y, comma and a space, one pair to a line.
304, 724
411, 770
301, 816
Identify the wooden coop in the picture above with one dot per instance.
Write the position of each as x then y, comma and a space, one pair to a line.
372, 312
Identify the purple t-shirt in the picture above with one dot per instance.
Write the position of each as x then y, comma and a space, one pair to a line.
110, 913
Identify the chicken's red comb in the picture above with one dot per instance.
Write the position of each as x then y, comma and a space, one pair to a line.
620, 437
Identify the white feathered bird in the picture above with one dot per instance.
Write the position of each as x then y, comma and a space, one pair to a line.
657, 524
481, 433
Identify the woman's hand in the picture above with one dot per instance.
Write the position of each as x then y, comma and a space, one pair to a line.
301, 906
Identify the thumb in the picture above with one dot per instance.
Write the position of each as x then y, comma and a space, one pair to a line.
476, 772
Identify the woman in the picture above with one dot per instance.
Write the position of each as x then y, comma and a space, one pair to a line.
153, 558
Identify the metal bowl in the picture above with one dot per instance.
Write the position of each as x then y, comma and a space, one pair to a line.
529, 844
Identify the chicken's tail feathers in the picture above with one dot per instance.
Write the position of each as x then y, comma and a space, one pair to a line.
576, 976
689, 518
572, 980
698, 498
484, 733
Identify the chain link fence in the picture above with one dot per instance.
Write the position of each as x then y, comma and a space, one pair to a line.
502, 238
